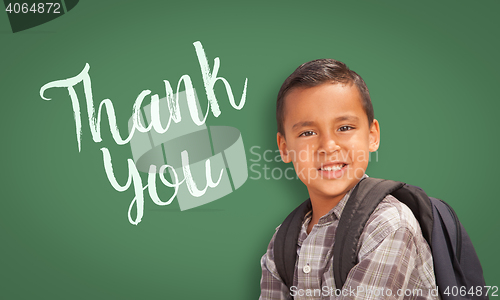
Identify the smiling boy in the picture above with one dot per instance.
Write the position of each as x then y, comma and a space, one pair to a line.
326, 128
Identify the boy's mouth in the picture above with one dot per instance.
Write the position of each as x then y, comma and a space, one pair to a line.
332, 170
332, 167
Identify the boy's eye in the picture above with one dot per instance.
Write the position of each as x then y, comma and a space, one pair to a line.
307, 133
345, 128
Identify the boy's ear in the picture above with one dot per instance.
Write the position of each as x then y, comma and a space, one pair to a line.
374, 136
283, 149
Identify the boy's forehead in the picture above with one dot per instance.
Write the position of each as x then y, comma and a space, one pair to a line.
336, 97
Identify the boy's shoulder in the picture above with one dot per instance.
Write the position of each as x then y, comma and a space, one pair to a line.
390, 216
393, 214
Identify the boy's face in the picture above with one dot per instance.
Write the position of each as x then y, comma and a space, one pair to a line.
327, 138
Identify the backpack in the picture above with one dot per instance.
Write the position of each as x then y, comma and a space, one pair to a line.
456, 264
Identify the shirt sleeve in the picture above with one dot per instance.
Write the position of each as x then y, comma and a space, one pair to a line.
395, 262
271, 285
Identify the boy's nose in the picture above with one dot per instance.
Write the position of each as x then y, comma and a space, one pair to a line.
328, 145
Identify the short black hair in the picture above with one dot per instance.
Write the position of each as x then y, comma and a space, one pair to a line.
317, 72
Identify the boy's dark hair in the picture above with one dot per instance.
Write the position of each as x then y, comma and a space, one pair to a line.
317, 72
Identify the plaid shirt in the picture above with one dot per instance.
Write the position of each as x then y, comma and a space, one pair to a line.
395, 261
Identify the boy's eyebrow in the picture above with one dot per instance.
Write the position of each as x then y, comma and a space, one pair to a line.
337, 119
303, 124
347, 118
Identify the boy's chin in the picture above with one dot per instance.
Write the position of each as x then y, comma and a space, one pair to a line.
331, 190
334, 188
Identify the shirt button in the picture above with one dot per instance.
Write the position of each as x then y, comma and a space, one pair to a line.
306, 269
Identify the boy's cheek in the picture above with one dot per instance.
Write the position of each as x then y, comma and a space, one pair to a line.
300, 172
359, 168
363, 157
304, 172
359, 172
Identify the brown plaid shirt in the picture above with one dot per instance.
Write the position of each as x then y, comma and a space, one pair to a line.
395, 261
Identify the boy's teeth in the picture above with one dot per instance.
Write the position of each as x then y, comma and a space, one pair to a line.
334, 168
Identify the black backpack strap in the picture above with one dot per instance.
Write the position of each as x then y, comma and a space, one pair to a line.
364, 199
285, 243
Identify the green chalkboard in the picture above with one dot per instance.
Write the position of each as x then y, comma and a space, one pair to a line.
71, 227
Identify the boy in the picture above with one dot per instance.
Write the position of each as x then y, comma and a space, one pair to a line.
326, 128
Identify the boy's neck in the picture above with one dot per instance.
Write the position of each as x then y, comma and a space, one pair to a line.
320, 207
322, 204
